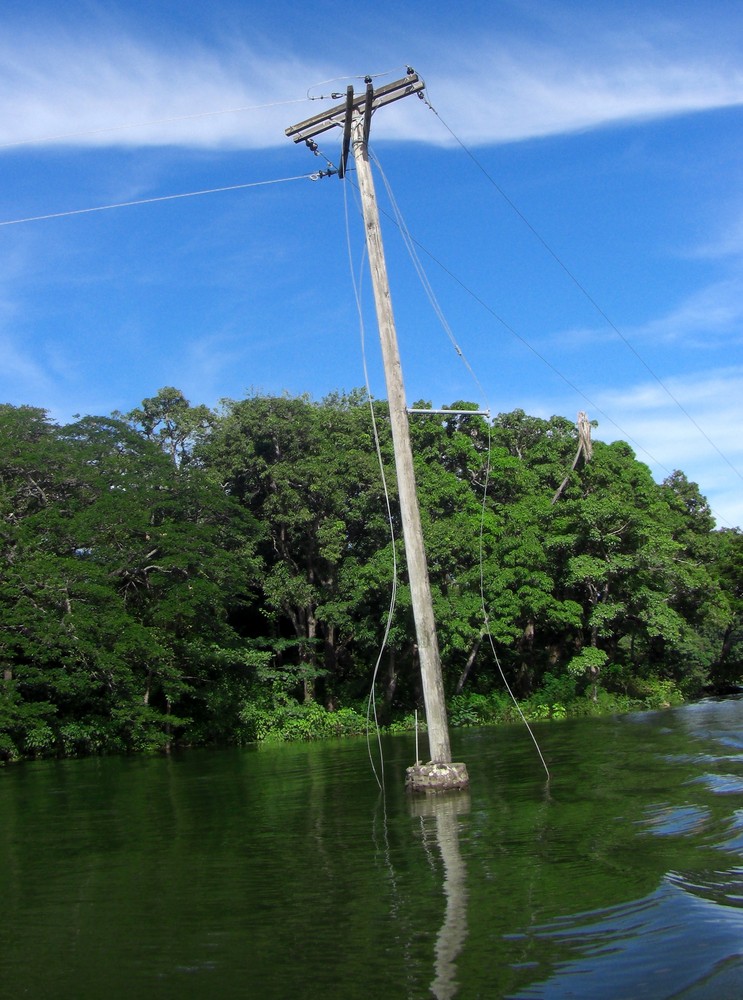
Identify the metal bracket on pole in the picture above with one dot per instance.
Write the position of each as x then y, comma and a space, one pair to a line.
368, 110
346, 132
336, 116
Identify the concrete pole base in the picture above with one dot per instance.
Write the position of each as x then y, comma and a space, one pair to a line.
436, 777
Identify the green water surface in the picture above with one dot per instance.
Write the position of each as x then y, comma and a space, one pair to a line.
285, 872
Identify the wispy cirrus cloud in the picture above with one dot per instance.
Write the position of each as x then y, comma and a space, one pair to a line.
710, 317
21, 368
727, 244
87, 87
542, 92
126, 92
706, 320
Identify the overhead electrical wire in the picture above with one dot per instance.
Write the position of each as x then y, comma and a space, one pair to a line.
545, 361
410, 245
427, 287
422, 276
581, 287
338, 79
318, 175
103, 130
158, 198
61, 137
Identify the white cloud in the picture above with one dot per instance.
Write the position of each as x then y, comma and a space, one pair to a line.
705, 441
87, 92
206, 363
708, 317
538, 93
728, 243
85, 87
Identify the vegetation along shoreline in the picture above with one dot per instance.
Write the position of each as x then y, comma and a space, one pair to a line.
181, 576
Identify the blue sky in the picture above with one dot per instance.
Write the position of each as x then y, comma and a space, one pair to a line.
616, 134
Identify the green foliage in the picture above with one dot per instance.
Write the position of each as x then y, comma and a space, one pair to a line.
469, 710
293, 722
655, 692
119, 574
588, 662
179, 575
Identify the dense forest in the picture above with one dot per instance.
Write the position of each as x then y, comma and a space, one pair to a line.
179, 576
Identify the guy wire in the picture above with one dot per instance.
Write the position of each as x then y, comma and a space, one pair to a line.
337, 79
420, 271
593, 406
158, 198
582, 289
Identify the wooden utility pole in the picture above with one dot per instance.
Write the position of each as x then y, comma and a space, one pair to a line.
355, 118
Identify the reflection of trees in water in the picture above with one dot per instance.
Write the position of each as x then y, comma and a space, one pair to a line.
445, 809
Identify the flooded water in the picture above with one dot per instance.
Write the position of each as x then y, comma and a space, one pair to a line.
284, 872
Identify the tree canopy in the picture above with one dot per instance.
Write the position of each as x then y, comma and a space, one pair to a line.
180, 574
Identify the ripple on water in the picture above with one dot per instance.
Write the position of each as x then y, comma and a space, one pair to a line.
723, 887
734, 834
721, 784
707, 759
734, 741
670, 821
678, 941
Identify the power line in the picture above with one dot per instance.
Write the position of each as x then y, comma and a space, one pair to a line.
410, 240
339, 79
60, 137
126, 126
371, 709
423, 277
584, 291
514, 333
151, 201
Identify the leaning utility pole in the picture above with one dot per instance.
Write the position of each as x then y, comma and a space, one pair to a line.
355, 118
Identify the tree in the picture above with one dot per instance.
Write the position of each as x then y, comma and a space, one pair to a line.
727, 569
309, 474
120, 572
169, 419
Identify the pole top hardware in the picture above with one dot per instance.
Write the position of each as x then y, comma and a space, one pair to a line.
346, 132
339, 113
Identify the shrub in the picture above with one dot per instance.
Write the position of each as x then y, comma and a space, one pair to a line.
294, 722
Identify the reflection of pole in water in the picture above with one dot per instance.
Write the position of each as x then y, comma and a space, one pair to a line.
453, 933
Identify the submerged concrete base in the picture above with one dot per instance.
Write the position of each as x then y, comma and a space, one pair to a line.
436, 777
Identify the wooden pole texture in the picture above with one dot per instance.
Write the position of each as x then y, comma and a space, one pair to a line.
354, 117
440, 773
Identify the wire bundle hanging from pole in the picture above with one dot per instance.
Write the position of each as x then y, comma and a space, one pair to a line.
423, 277
371, 711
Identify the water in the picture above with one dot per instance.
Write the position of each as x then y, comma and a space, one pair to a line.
284, 873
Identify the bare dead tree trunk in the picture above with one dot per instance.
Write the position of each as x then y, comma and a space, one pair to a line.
309, 682
468, 665
391, 685
584, 446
